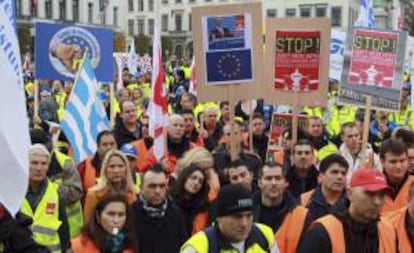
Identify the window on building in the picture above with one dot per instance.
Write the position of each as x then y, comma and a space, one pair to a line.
62, 9
381, 21
305, 11
320, 11
48, 8
271, 13
290, 12
75, 10
33, 8
178, 1
90, 12
165, 1
130, 27
130, 5
164, 22
192, 1
115, 21
207, 0
178, 22
18, 8
190, 19
378, 3
151, 26
140, 5
336, 14
151, 5
141, 26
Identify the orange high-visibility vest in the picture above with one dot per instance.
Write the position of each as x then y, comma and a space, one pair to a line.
305, 197
142, 153
288, 235
400, 201
89, 179
398, 221
335, 229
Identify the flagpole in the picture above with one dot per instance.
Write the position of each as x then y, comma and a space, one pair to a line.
36, 100
112, 104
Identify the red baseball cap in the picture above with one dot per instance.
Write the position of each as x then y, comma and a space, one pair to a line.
370, 179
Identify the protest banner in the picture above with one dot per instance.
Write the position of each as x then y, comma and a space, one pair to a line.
227, 49
373, 68
280, 122
297, 61
59, 49
297, 64
336, 61
228, 55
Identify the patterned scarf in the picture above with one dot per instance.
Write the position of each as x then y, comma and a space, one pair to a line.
154, 211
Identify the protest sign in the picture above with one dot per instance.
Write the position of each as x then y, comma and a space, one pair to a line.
373, 68
336, 61
227, 50
59, 49
297, 63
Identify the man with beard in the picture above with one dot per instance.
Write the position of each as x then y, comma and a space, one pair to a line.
302, 175
358, 229
330, 195
128, 128
260, 139
276, 207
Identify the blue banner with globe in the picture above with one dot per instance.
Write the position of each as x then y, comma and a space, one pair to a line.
59, 49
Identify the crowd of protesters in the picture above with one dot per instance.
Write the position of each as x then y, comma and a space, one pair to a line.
326, 192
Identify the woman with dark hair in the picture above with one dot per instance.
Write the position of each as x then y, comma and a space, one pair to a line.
109, 230
191, 195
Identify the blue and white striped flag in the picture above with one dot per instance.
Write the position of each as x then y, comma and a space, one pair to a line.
84, 115
366, 16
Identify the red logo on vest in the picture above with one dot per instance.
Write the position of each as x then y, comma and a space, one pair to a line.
50, 207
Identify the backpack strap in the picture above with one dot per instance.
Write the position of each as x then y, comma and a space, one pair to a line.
213, 246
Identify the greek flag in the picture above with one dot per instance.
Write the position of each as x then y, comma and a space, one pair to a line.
366, 16
84, 115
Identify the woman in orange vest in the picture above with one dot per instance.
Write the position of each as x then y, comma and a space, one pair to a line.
115, 178
109, 230
191, 195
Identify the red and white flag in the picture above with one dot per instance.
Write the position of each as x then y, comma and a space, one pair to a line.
158, 106
193, 80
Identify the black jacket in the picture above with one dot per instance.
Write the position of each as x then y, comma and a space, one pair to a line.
298, 185
318, 206
124, 136
163, 235
359, 238
15, 235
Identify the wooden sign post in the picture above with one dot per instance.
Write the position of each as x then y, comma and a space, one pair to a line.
228, 51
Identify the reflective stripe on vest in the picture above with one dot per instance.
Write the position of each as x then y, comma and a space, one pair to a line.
46, 221
335, 230
288, 235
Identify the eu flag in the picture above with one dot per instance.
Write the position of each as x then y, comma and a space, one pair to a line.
228, 66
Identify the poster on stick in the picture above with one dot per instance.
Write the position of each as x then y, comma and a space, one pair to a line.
373, 67
297, 61
281, 122
227, 47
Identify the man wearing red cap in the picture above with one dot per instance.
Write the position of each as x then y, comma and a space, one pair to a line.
359, 229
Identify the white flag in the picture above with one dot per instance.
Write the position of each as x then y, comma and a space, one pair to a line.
158, 107
132, 59
14, 132
366, 16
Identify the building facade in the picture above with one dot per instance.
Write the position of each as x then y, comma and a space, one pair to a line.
84, 12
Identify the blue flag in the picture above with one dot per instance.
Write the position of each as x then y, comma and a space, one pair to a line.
229, 66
